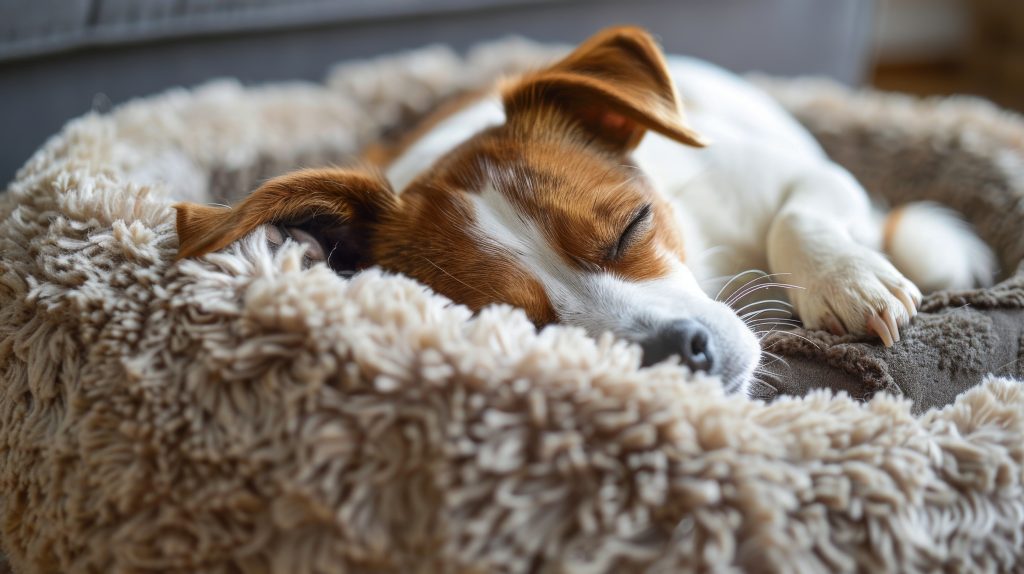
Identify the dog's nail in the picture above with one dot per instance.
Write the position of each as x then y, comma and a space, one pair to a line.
881, 329
894, 329
907, 301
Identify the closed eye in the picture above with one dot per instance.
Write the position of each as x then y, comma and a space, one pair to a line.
633, 232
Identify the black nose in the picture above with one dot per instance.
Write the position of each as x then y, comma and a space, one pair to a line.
688, 339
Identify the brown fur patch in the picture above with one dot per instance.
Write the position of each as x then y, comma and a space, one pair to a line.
892, 222
431, 240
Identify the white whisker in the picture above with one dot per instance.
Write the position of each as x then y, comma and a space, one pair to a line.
442, 270
740, 295
753, 314
762, 334
799, 336
758, 381
770, 320
760, 277
776, 359
765, 301
735, 277
1001, 367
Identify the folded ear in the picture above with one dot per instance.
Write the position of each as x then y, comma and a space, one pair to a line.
616, 85
337, 207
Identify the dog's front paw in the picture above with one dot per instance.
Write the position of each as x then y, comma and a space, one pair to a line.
858, 293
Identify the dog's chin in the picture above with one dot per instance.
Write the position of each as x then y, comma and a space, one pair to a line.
739, 383
740, 360
738, 347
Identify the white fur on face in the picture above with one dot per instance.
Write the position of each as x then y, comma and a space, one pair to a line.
604, 302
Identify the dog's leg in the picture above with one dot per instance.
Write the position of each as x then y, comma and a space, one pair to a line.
936, 249
824, 240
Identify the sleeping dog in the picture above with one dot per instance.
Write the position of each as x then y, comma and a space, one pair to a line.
582, 194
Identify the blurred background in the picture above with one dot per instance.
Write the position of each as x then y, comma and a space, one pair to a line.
62, 58
943, 47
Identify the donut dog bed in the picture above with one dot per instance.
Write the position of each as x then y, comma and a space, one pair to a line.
246, 412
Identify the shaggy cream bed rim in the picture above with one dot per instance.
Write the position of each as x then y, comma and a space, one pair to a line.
241, 413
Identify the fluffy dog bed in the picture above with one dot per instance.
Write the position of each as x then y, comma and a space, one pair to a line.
240, 413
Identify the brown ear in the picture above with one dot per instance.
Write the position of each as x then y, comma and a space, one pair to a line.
615, 85
336, 205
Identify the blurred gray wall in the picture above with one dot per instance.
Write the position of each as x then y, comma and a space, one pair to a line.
61, 58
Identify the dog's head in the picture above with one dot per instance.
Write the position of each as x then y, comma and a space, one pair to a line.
546, 212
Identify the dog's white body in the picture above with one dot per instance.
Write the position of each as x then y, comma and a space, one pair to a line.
762, 195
